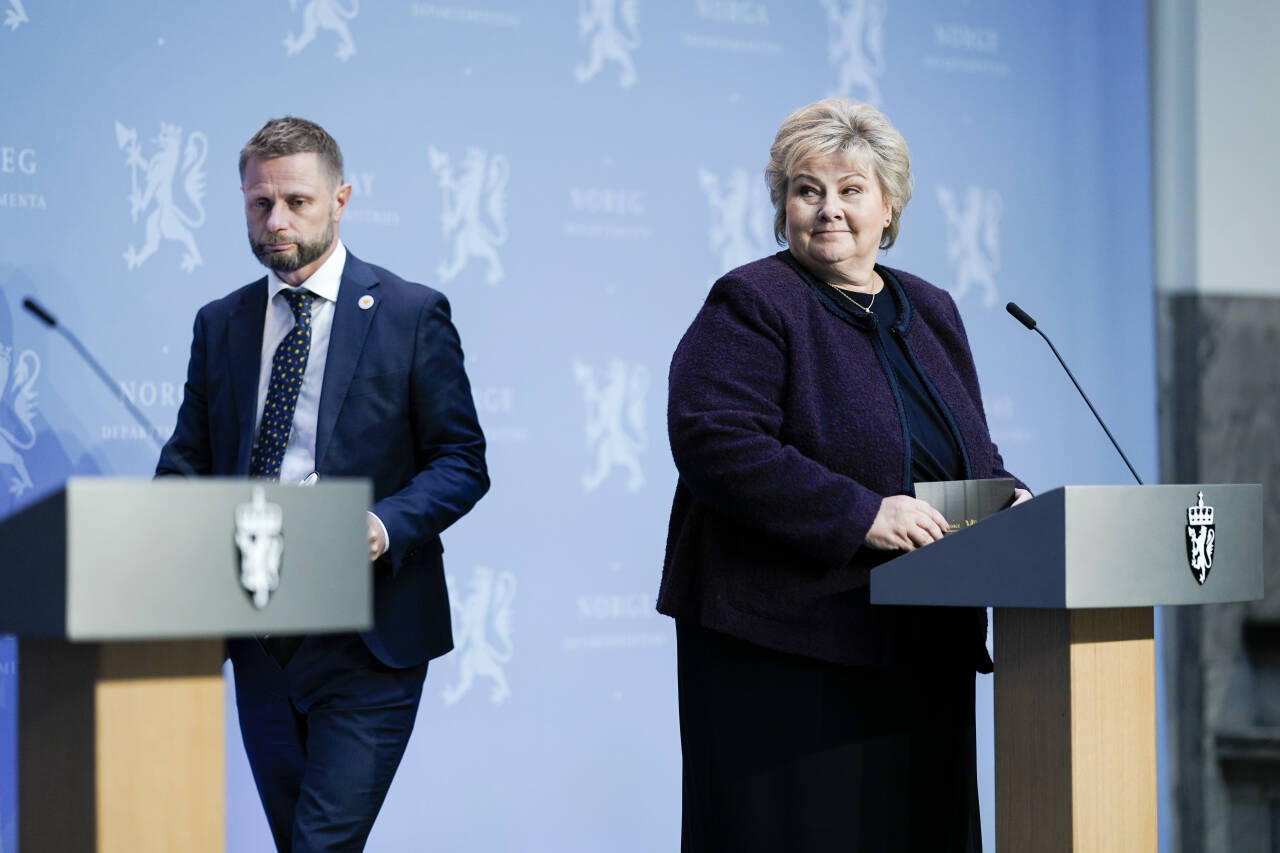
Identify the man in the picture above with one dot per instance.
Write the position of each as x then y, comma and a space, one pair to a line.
333, 367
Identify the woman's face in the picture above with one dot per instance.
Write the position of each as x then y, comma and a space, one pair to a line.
836, 215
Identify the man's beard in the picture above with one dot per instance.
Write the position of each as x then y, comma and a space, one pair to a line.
305, 251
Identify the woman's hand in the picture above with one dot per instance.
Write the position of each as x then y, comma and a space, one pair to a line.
904, 523
1020, 496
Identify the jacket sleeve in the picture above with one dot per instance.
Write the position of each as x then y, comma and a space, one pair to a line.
448, 444
727, 393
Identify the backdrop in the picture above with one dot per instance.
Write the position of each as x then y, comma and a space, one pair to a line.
548, 165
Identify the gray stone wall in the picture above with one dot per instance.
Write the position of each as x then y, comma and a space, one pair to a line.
1219, 365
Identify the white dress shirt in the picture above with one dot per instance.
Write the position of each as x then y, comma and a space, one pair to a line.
300, 453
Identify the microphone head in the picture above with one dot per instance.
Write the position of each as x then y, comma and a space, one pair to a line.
41, 314
1021, 316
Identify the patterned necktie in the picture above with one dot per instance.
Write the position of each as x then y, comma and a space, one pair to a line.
287, 368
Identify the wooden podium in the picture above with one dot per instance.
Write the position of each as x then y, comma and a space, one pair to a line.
1073, 576
121, 592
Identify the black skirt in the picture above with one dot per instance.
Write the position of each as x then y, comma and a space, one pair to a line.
789, 753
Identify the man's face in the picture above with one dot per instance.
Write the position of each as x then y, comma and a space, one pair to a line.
292, 208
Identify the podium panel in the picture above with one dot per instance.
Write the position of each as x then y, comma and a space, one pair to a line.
1075, 730
1073, 576
121, 592
120, 746
124, 559
1088, 546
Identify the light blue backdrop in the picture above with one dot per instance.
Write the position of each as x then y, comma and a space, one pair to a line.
574, 175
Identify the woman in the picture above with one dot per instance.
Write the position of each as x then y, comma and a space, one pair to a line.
813, 389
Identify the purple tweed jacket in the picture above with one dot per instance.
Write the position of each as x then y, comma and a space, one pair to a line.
786, 434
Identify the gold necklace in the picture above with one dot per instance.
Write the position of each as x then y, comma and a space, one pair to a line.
866, 308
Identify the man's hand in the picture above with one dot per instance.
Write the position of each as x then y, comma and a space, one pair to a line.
1020, 496
377, 537
904, 523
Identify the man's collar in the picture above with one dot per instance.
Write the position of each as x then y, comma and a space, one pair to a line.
323, 282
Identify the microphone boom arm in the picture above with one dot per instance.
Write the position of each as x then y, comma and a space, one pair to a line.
49, 320
1025, 319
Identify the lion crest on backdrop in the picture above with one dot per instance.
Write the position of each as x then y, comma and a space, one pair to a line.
18, 375
615, 425
973, 240
153, 190
742, 218
474, 212
33, 452
856, 47
15, 16
320, 15
598, 25
486, 606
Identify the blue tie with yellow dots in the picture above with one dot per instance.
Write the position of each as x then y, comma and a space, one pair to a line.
287, 367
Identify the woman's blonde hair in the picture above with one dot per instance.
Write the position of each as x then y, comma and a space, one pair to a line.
839, 124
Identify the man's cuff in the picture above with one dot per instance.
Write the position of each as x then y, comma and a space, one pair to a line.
386, 537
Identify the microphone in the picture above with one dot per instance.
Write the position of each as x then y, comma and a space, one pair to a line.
34, 307
1027, 320
49, 320
1023, 317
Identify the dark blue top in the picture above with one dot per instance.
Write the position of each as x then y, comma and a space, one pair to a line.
935, 454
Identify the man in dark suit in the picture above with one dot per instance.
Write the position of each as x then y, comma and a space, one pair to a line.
331, 367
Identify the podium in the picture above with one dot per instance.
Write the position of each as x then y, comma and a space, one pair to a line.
1072, 576
121, 592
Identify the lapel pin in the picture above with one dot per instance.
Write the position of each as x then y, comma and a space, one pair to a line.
365, 302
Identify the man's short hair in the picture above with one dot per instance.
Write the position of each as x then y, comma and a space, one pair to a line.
281, 137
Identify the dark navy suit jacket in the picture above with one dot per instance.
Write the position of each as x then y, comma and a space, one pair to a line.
395, 407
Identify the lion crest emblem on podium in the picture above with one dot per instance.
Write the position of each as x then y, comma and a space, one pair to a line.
260, 538
1201, 535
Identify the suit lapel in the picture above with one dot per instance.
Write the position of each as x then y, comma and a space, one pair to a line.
244, 352
347, 337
